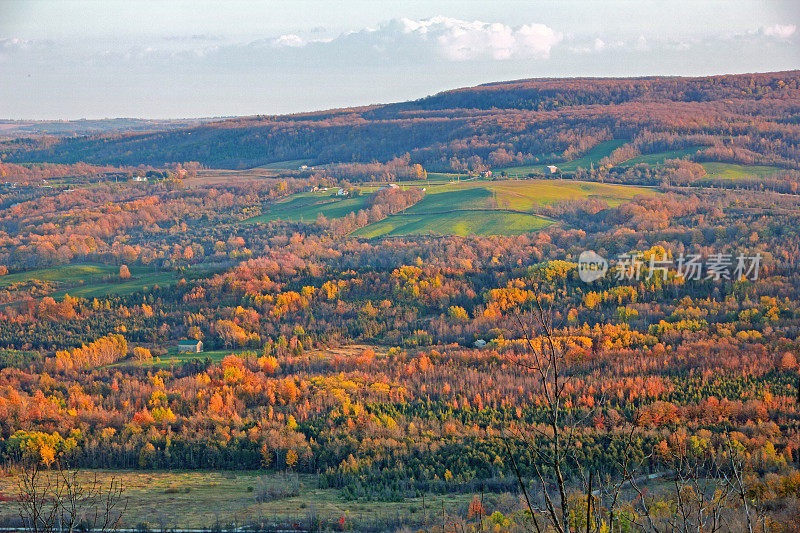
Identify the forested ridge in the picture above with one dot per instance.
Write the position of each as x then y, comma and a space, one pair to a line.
527, 119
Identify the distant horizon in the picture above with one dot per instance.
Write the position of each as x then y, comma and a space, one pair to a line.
73, 59
211, 118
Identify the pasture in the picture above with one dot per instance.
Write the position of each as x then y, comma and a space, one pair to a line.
481, 207
455, 223
174, 357
592, 157
96, 280
291, 164
307, 206
165, 500
659, 157
733, 172
491, 207
519, 195
67, 274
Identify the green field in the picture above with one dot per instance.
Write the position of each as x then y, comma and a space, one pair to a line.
94, 281
291, 164
307, 206
141, 280
734, 172
174, 357
491, 208
69, 274
454, 208
519, 195
202, 499
592, 157
455, 223
444, 176
660, 157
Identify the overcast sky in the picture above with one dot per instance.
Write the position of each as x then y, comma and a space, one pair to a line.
62, 59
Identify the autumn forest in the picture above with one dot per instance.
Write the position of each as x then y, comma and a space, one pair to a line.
395, 331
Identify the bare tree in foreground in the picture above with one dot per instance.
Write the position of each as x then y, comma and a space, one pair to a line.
64, 500
549, 365
707, 493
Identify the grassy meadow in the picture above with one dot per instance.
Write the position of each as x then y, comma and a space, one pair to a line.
481, 207
290, 164
659, 157
455, 223
67, 274
733, 172
95, 280
307, 206
163, 500
592, 157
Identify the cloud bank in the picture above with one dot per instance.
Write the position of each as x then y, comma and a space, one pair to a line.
403, 58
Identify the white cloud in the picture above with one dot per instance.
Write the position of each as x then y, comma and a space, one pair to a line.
445, 37
310, 69
291, 40
780, 31
461, 40
599, 44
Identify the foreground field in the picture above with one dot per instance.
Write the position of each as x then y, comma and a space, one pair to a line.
162, 500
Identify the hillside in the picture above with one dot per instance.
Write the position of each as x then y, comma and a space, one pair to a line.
540, 120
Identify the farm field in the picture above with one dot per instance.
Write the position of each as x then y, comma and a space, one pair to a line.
491, 208
733, 171
174, 357
163, 500
92, 281
519, 195
210, 177
593, 156
456, 208
138, 281
290, 164
444, 176
659, 157
455, 223
70, 274
308, 205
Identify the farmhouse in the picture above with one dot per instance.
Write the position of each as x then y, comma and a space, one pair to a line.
190, 346
552, 168
341, 192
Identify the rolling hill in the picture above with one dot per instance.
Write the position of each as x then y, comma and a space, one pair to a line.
527, 117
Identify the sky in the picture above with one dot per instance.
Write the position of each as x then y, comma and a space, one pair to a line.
72, 59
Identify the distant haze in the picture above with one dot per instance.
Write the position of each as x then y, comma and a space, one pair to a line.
69, 60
